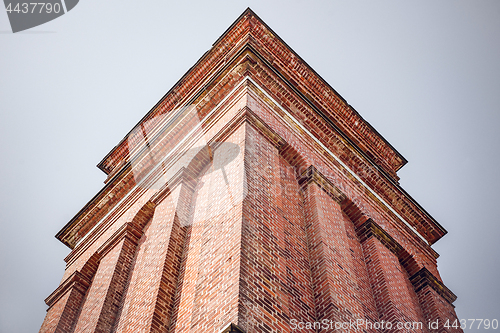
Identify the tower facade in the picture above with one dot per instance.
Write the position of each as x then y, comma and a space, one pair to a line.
251, 198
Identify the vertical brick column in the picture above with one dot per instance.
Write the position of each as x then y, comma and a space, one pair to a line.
64, 304
150, 296
207, 292
340, 280
364, 292
263, 294
436, 301
275, 287
104, 296
395, 297
290, 213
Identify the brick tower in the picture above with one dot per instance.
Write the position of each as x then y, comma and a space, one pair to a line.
251, 198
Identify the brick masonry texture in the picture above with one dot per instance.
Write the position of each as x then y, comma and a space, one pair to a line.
251, 198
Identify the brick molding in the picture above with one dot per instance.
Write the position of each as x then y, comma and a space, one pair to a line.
76, 281
425, 278
312, 175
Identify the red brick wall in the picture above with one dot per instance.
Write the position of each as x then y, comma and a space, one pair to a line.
436, 308
395, 298
207, 291
62, 315
281, 232
250, 244
149, 299
104, 297
275, 286
340, 278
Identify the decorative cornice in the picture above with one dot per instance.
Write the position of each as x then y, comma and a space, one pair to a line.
246, 43
250, 31
72, 226
425, 278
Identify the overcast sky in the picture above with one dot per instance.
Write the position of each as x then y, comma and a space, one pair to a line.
425, 74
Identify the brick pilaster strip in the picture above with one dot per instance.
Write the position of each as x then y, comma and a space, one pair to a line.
100, 308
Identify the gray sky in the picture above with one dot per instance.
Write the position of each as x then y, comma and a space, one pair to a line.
425, 74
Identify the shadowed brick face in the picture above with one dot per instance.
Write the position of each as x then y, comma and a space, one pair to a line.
251, 198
